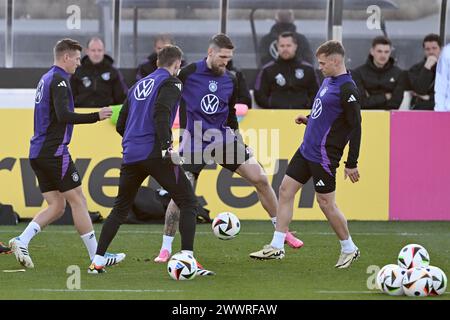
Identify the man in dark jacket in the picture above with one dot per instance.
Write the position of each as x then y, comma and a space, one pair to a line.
284, 23
149, 65
287, 83
421, 76
380, 82
96, 83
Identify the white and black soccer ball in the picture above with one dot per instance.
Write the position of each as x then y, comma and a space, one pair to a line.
413, 256
382, 273
439, 280
182, 266
417, 282
226, 226
392, 282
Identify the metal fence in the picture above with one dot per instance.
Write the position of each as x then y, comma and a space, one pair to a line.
29, 29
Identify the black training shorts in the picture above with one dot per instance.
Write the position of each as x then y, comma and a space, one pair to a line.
56, 174
301, 170
229, 156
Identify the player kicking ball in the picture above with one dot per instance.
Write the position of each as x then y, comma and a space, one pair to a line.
50, 159
211, 134
334, 118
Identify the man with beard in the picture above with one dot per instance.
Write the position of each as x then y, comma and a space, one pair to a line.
211, 134
284, 22
286, 83
422, 75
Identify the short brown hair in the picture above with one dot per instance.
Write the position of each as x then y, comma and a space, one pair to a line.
381, 40
168, 55
288, 34
432, 37
65, 45
330, 47
221, 41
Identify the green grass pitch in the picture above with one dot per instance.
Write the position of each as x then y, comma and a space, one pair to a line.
306, 273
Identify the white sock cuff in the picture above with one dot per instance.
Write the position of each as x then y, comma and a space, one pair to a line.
168, 238
278, 240
347, 246
88, 235
35, 225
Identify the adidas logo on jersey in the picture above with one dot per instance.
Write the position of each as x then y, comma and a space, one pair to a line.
62, 84
320, 184
178, 85
351, 99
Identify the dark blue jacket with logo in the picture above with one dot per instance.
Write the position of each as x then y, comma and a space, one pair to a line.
98, 85
286, 84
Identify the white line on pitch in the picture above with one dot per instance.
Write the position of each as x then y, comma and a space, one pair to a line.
347, 292
106, 290
402, 234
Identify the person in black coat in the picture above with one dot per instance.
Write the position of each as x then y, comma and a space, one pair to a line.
421, 76
380, 82
284, 22
287, 83
96, 83
149, 65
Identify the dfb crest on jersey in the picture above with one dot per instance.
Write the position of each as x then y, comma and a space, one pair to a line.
323, 91
281, 81
39, 92
212, 86
316, 109
106, 76
143, 89
299, 73
86, 82
210, 104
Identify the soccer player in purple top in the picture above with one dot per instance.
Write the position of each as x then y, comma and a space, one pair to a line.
335, 119
50, 159
211, 134
145, 123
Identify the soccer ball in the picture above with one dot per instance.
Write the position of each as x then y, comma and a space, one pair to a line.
413, 256
382, 273
226, 226
439, 280
392, 282
182, 266
417, 282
